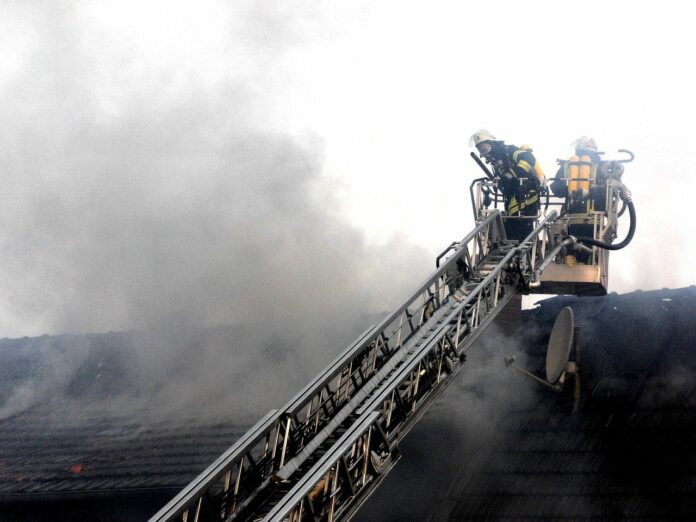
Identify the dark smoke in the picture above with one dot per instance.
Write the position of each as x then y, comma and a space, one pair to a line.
459, 430
183, 216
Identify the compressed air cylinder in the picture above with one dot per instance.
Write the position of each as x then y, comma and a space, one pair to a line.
585, 171
573, 174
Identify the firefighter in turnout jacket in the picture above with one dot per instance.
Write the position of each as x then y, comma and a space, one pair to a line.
516, 172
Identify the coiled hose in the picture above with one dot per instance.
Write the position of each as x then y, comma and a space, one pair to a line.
628, 202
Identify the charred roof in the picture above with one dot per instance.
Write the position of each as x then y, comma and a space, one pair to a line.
500, 446
495, 446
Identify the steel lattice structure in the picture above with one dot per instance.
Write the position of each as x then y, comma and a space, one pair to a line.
320, 456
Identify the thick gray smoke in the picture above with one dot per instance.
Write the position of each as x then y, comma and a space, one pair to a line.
181, 208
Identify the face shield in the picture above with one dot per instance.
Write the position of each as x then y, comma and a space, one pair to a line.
484, 148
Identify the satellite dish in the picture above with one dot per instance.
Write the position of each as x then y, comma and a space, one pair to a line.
560, 343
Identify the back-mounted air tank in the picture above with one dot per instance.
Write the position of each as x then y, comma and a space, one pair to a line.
591, 204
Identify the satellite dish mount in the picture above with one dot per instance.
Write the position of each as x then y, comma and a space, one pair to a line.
563, 344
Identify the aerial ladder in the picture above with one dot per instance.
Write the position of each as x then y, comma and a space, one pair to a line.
323, 454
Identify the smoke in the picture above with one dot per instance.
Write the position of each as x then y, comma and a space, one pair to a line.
489, 445
51, 366
459, 430
148, 192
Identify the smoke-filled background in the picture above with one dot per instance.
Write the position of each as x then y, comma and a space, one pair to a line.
210, 199
202, 161
149, 188
293, 168
139, 192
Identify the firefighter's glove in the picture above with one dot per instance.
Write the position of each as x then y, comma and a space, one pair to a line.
521, 190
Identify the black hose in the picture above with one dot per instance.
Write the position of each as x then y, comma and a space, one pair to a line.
623, 209
524, 286
626, 241
483, 167
630, 154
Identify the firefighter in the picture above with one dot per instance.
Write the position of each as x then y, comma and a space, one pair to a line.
585, 147
581, 180
517, 179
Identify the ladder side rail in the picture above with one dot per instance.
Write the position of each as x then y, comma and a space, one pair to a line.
345, 451
372, 386
382, 333
297, 404
257, 448
275, 436
248, 448
412, 399
189, 497
491, 229
481, 293
392, 327
339, 395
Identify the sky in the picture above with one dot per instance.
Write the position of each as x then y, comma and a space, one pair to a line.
214, 162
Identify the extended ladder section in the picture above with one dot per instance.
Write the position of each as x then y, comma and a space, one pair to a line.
321, 456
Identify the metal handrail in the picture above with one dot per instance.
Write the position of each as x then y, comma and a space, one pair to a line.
277, 427
217, 469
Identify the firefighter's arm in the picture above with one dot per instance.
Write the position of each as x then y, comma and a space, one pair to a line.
523, 163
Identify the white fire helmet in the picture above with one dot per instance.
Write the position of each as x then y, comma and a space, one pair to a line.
480, 136
584, 142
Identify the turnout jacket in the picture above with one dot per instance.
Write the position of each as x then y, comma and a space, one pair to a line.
519, 184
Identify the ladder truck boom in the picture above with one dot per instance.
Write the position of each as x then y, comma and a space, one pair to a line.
321, 455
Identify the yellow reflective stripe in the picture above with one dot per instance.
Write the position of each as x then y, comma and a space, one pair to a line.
526, 166
514, 206
516, 154
524, 204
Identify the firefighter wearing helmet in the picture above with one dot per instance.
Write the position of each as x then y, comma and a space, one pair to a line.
581, 179
514, 170
586, 155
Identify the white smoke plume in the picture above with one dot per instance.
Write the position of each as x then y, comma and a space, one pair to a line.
166, 201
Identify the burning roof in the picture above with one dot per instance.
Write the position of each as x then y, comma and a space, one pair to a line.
75, 418
495, 446
46, 460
